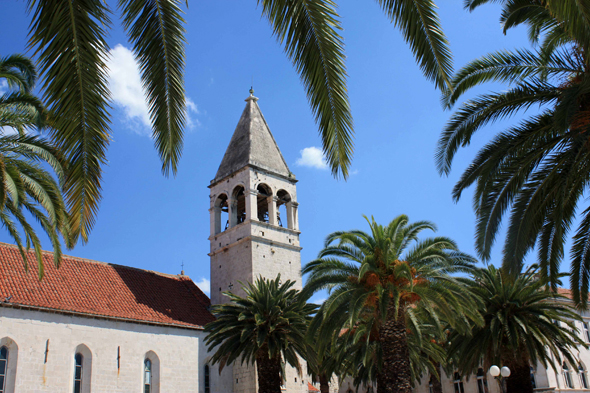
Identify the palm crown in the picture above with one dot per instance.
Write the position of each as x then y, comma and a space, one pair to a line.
525, 324
537, 171
25, 185
376, 280
266, 327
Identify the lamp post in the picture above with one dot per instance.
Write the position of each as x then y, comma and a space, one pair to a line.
500, 374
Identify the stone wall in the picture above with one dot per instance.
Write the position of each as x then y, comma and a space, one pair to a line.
47, 342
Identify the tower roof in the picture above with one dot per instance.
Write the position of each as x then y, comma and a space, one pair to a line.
252, 144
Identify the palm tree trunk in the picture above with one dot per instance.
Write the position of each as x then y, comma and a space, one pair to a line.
519, 380
395, 375
269, 372
324, 384
435, 380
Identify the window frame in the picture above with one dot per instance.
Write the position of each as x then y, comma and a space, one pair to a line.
4, 373
207, 379
567, 376
482, 381
147, 375
583, 376
458, 383
80, 367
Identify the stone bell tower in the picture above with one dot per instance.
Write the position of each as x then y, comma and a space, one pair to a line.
254, 223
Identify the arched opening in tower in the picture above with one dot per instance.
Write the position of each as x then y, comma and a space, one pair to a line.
238, 211
221, 214
284, 209
263, 201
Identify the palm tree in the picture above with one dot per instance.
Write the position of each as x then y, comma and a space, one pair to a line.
525, 324
374, 279
69, 38
538, 170
266, 327
323, 364
24, 184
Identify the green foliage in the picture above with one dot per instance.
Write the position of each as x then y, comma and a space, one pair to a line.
372, 277
25, 186
272, 317
524, 321
69, 39
535, 172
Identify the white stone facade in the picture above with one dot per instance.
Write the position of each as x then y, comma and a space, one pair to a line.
42, 346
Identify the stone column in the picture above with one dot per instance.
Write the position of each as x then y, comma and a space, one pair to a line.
290, 215
272, 210
295, 215
251, 205
215, 220
232, 208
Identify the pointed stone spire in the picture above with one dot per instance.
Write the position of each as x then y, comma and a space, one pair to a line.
252, 144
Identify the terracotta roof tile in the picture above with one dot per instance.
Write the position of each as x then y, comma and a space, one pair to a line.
312, 388
102, 290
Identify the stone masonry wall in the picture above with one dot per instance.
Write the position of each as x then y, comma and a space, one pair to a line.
181, 353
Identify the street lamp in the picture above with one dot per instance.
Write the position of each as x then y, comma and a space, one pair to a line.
499, 374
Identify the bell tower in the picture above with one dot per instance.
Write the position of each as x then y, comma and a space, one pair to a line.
254, 223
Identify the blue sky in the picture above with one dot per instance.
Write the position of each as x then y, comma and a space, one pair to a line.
157, 223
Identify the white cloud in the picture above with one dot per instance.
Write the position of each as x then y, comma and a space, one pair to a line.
191, 107
127, 91
312, 157
204, 285
3, 86
125, 86
319, 300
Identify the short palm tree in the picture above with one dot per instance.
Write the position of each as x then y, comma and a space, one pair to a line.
538, 171
70, 40
525, 324
375, 278
267, 327
25, 185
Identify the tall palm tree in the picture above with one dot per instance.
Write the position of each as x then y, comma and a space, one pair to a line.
535, 172
375, 278
266, 327
25, 186
525, 324
70, 40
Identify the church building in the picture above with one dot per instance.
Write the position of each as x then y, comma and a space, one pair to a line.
97, 327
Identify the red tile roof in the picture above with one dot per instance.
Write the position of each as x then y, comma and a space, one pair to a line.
312, 388
101, 290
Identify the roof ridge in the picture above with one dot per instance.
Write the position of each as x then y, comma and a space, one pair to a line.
81, 259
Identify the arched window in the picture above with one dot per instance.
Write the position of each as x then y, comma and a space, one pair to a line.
151, 373
8, 362
533, 379
284, 210
207, 380
567, 376
583, 376
458, 383
3, 368
221, 212
82, 369
263, 203
482, 382
238, 207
